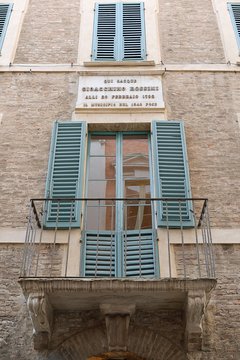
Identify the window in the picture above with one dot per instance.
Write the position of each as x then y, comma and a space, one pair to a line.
118, 234
5, 12
234, 10
119, 32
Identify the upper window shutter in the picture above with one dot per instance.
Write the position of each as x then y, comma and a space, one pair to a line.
5, 12
234, 10
104, 36
133, 31
119, 32
65, 172
172, 174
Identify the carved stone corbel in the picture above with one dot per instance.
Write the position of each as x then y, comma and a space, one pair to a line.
195, 309
117, 318
40, 312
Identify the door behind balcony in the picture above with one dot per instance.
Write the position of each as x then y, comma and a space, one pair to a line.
119, 236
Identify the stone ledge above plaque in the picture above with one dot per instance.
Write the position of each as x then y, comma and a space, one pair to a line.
125, 93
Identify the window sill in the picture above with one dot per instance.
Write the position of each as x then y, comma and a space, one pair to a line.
118, 63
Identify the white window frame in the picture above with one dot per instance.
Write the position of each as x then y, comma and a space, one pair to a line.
13, 30
227, 31
86, 32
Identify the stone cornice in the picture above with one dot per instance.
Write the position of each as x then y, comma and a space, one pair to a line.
157, 69
124, 285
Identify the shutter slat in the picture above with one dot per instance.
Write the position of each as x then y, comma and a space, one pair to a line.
172, 174
64, 174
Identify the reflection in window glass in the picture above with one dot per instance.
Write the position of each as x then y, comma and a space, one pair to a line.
103, 145
101, 168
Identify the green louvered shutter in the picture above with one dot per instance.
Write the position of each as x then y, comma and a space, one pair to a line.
234, 10
99, 257
65, 174
119, 32
104, 38
5, 12
133, 31
139, 259
172, 174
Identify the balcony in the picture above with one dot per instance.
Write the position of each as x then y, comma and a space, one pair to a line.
121, 256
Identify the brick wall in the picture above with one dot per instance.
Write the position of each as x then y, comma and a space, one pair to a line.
50, 32
208, 103
189, 32
34, 102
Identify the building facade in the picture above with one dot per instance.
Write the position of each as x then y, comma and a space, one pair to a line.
120, 178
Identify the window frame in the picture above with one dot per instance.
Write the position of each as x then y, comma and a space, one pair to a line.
6, 22
233, 19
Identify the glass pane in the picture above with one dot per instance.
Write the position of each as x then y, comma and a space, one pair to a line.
135, 145
101, 168
137, 215
103, 145
101, 189
101, 217
140, 189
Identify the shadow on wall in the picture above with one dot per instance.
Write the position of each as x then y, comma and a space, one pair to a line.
143, 344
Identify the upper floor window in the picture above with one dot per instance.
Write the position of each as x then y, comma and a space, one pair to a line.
234, 10
5, 12
119, 32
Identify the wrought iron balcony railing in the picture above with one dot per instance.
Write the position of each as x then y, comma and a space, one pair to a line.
137, 238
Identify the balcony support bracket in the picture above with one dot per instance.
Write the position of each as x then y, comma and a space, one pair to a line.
41, 314
117, 318
195, 310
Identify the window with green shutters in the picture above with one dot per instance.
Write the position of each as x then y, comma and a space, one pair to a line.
234, 10
119, 32
123, 242
5, 12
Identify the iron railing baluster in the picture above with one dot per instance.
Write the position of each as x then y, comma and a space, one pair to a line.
34, 255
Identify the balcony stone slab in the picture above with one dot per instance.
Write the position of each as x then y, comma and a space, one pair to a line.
117, 299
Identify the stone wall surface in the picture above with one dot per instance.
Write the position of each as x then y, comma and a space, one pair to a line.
50, 33
209, 112
35, 101
221, 326
189, 32
208, 103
